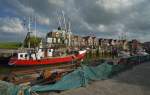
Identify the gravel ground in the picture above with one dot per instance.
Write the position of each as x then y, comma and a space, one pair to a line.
132, 82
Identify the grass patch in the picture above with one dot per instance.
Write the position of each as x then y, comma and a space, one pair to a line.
10, 45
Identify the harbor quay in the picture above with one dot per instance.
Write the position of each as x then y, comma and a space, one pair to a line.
74, 47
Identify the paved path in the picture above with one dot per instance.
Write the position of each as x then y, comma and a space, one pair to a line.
132, 82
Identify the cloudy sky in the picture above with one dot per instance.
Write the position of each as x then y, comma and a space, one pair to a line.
102, 18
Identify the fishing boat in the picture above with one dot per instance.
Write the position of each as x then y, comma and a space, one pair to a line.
44, 57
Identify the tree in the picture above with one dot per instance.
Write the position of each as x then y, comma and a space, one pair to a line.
34, 41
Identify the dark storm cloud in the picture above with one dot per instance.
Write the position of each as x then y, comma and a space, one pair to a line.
103, 18
134, 17
94, 14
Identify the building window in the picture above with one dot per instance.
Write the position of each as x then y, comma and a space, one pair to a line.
66, 41
54, 40
49, 40
58, 40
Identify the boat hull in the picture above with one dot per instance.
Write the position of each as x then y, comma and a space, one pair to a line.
46, 61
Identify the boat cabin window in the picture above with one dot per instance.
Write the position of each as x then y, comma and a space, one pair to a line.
26, 55
21, 55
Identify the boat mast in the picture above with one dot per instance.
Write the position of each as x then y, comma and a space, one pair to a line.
29, 27
64, 21
69, 32
64, 25
35, 28
59, 20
